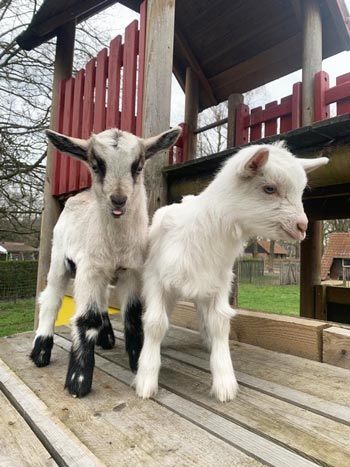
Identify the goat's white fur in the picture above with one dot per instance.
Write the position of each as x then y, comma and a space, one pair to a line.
193, 245
101, 246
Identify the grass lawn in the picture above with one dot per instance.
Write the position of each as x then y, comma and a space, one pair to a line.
282, 299
16, 317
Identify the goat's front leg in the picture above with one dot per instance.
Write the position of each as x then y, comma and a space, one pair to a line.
106, 338
91, 299
155, 325
216, 315
129, 290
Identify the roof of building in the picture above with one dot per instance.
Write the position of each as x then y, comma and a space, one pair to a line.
265, 248
17, 247
338, 246
232, 46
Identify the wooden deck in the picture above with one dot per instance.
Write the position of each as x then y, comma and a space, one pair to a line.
290, 411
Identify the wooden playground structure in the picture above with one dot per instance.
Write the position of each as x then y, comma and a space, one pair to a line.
292, 409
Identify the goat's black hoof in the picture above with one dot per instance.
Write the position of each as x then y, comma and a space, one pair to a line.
79, 376
133, 346
105, 338
41, 352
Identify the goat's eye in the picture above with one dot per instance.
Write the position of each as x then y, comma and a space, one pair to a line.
270, 189
136, 167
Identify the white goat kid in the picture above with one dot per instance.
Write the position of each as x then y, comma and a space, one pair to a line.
100, 237
193, 246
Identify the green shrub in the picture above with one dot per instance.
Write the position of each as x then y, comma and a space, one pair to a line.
18, 279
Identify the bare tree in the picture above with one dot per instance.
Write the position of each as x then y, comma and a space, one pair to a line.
25, 97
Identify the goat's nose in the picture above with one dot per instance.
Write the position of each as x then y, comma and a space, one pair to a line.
118, 201
302, 224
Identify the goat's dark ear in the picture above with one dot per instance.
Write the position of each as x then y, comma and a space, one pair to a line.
256, 162
312, 164
161, 142
73, 146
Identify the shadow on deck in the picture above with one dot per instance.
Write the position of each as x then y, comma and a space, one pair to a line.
289, 412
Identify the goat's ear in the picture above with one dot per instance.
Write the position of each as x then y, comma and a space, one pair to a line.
256, 162
73, 146
312, 164
161, 142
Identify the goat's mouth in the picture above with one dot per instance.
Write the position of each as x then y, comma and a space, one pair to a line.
118, 212
294, 233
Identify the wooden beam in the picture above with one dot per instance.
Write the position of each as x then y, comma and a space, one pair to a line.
191, 110
157, 91
336, 347
311, 248
62, 70
291, 335
194, 64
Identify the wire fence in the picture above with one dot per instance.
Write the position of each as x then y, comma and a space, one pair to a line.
17, 279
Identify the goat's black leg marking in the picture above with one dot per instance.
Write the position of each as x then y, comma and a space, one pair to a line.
82, 357
133, 332
41, 352
105, 337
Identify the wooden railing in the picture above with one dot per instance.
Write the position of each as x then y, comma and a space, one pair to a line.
278, 118
275, 118
107, 93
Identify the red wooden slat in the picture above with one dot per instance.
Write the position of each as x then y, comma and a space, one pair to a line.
296, 106
66, 130
343, 106
286, 120
100, 95
77, 121
114, 70
129, 78
59, 128
321, 84
141, 69
241, 130
255, 124
88, 116
270, 118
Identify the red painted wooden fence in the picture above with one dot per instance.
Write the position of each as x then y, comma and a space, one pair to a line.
106, 94
326, 95
258, 123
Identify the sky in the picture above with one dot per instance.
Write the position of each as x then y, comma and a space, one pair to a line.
119, 17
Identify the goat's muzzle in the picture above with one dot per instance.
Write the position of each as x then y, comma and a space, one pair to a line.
118, 205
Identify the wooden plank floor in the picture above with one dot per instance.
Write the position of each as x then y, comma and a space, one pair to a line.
289, 412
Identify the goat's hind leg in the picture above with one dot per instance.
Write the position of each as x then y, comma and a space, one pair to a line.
217, 315
106, 338
129, 290
49, 301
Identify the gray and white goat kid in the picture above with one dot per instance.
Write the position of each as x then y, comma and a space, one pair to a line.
193, 245
100, 237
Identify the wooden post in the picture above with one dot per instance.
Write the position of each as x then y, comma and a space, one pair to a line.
311, 248
62, 69
191, 110
233, 101
157, 91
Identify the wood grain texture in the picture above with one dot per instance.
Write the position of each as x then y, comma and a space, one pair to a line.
259, 447
295, 336
336, 347
18, 444
64, 447
157, 91
113, 423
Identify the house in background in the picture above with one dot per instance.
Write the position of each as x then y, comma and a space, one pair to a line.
336, 256
264, 250
18, 251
